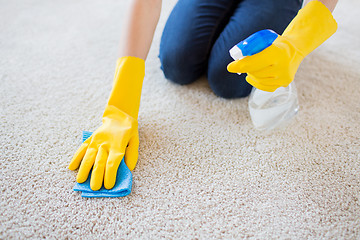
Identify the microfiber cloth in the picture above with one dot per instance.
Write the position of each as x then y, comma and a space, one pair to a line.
122, 186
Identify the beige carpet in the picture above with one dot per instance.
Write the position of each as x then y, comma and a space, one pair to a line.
203, 171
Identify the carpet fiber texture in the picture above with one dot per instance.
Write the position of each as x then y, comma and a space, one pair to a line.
203, 171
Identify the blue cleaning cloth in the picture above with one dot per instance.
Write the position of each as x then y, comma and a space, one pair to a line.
122, 186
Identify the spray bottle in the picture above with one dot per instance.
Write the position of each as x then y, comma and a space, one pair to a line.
268, 110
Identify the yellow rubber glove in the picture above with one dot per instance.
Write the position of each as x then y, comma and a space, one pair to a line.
118, 135
276, 66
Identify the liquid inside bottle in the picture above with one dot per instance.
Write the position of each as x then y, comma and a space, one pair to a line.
270, 110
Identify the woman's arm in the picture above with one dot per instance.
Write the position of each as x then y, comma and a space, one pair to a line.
330, 4
139, 28
276, 66
118, 135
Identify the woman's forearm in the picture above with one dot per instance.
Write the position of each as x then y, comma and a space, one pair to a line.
330, 4
139, 28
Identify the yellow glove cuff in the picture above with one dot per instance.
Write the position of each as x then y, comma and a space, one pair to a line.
312, 26
128, 79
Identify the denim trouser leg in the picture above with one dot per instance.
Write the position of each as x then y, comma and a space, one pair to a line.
199, 33
188, 36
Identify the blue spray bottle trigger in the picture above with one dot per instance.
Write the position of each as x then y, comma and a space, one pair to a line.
253, 44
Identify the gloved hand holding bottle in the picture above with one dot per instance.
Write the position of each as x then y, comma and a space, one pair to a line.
276, 66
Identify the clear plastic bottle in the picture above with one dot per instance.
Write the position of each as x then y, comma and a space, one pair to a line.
268, 110
271, 110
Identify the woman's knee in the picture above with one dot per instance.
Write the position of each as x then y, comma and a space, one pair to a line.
180, 65
227, 85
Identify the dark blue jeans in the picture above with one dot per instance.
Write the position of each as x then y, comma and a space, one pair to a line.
199, 33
